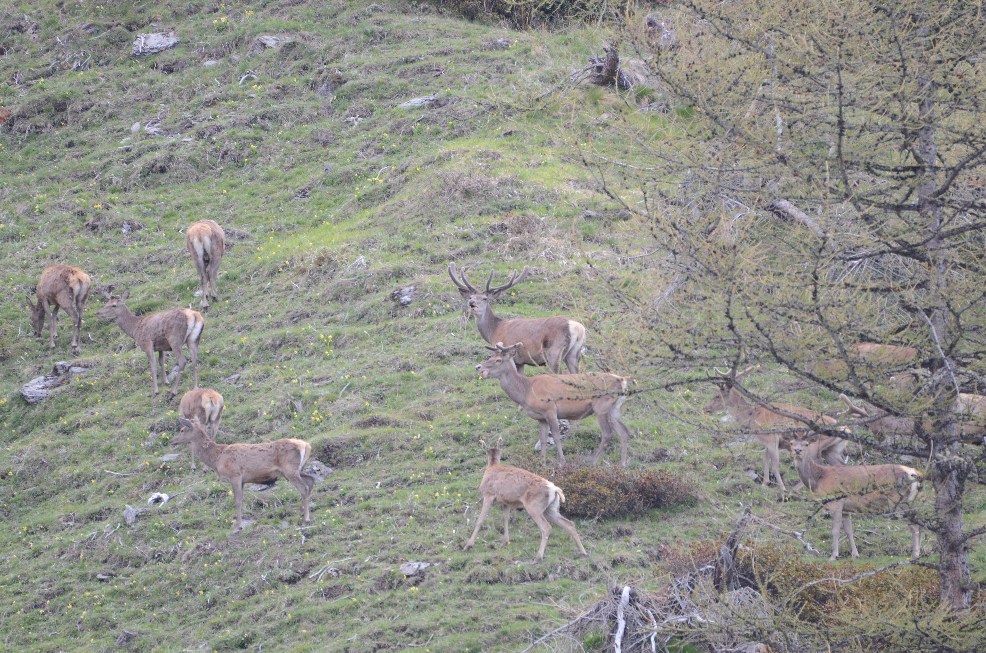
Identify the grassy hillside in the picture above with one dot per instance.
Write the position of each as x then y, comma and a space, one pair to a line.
332, 196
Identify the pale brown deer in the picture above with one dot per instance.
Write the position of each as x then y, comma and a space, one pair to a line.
517, 488
546, 341
970, 409
206, 243
771, 429
204, 404
874, 354
867, 489
548, 398
159, 332
241, 463
60, 286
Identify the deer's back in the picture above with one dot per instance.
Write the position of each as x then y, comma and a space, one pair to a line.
57, 277
206, 235
510, 485
536, 333
264, 461
160, 328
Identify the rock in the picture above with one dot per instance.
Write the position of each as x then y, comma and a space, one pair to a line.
168, 457
39, 388
318, 470
498, 44
232, 379
146, 44
414, 568
209, 63
158, 497
418, 102
403, 296
125, 637
130, 514
270, 42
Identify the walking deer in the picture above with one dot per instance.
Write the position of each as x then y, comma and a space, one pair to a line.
205, 241
545, 340
755, 417
159, 332
855, 489
263, 463
60, 286
548, 398
205, 405
517, 488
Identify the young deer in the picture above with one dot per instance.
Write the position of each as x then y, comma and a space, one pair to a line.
548, 398
780, 427
159, 332
545, 340
855, 489
517, 488
263, 463
205, 241
61, 286
205, 405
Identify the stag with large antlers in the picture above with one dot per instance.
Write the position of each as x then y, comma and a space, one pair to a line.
517, 488
206, 243
771, 428
544, 340
159, 332
868, 489
61, 286
549, 398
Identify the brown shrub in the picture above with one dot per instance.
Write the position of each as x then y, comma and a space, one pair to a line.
601, 492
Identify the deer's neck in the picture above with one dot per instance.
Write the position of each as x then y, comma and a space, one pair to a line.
128, 321
488, 323
516, 385
809, 470
207, 450
741, 410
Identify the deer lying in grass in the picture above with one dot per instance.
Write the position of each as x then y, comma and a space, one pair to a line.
159, 332
779, 427
548, 398
205, 405
60, 286
263, 463
855, 489
545, 340
969, 408
871, 353
205, 241
517, 488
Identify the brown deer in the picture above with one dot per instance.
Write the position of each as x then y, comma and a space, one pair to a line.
969, 408
855, 489
205, 241
517, 488
545, 340
159, 332
872, 353
205, 405
263, 463
548, 398
61, 286
779, 427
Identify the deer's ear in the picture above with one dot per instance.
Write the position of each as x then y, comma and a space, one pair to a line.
499, 442
184, 423
30, 302
125, 295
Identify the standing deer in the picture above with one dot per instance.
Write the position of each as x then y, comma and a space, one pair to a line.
241, 463
61, 286
159, 332
855, 489
517, 488
205, 405
205, 241
544, 340
756, 417
548, 398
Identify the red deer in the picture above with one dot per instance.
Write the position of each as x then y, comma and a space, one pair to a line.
263, 463
970, 409
545, 340
517, 488
871, 353
855, 489
205, 241
205, 405
61, 286
159, 332
757, 418
548, 398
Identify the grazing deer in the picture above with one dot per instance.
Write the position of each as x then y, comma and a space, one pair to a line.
855, 489
969, 408
545, 340
159, 332
241, 463
205, 405
205, 241
517, 488
61, 286
551, 397
756, 417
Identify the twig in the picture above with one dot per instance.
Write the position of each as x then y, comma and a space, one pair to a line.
621, 621
798, 535
119, 473
317, 575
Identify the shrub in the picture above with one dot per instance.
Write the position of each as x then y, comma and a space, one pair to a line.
601, 492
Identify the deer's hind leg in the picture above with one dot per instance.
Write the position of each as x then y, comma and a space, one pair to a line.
555, 517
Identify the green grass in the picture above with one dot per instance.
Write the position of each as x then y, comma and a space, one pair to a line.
387, 396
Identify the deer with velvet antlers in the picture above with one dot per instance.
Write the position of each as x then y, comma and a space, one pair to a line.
549, 398
867, 489
264, 463
517, 488
65, 287
159, 332
206, 243
546, 341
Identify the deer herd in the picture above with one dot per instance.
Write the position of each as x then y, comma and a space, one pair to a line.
814, 439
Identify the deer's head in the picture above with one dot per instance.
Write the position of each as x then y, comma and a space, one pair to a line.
114, 305
37, 314
499, 362
480, 300
191, 430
